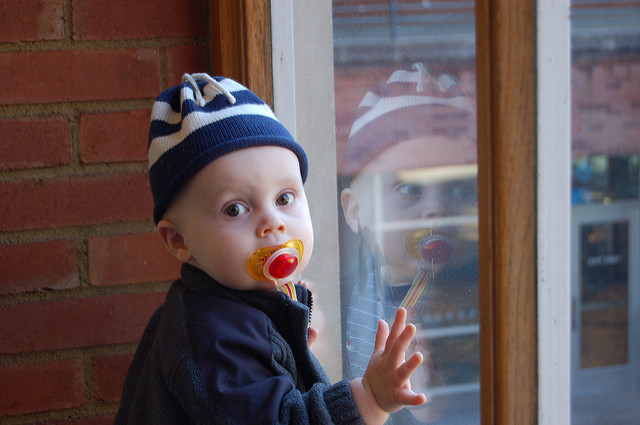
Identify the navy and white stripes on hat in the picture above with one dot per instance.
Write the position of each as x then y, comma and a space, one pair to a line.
198, 122
411, 103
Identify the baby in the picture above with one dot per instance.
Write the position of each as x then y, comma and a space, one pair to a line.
229, 347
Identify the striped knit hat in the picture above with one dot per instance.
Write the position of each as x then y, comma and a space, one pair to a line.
198, 122
410, 104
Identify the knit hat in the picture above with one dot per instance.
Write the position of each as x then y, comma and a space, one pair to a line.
410, 104
198, 122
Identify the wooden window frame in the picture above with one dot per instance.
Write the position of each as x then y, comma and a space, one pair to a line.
241, 44
506, 86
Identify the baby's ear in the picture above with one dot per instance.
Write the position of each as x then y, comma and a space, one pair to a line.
351, 208
173, 240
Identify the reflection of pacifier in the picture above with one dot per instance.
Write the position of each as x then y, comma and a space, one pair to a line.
425, 247
277, 264
431, 251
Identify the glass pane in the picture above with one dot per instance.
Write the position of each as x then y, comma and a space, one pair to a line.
606, 206
406, 142
604, 307
604, 179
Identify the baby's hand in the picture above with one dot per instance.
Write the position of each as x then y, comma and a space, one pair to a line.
313, 332
387, 374
313, 335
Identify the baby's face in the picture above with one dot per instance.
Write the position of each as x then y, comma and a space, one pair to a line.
406, 188
241, 202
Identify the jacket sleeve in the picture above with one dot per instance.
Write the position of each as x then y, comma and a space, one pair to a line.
322, 404
234, 354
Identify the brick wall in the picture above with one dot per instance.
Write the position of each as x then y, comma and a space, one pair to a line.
81, 269
606, 105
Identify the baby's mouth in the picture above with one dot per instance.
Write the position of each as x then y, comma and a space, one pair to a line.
276, 263
427, 247
431, 251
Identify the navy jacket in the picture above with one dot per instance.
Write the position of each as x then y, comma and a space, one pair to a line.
213, 355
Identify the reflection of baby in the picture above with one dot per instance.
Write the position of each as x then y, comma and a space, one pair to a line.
227, 347
410, 166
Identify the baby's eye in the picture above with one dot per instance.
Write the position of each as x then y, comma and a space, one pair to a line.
460, 192
464, 190
410, 189
235, 209
285, 198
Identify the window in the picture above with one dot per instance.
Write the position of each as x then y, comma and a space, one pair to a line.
404, 76
507, 304
527, 61
605, 237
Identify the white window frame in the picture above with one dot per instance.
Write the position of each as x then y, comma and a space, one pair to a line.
554, 211
306, 109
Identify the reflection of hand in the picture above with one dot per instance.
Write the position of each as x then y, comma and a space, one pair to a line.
387, 375
421, 379
424, 379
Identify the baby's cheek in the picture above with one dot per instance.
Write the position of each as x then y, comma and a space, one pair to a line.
393, 245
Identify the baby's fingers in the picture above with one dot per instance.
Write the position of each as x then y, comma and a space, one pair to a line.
407, 368
381, 335
397, 327
405, 394
409, 398
399, 346
313, 334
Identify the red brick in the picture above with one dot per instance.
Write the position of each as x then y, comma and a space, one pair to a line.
37, 266
82, 322
185, 59
92, 420
40, 387
69, 201
31, 20
109, 373
130, 258
33, 143
125, 19
79, 75
115, 136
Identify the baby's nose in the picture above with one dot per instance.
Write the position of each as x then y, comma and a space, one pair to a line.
433, 204
271, 222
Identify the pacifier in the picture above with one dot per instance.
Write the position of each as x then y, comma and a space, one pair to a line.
431, 251
277, 264
428, 248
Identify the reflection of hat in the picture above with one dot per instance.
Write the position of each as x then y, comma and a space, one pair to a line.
409, 105
198, 122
